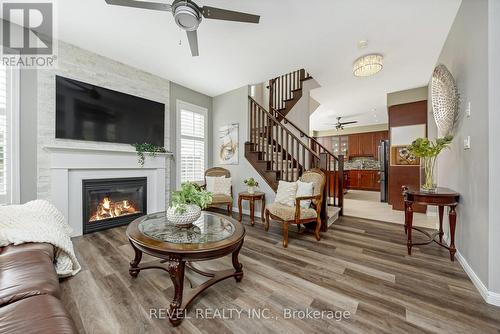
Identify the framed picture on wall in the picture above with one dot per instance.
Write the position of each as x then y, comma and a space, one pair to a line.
402, 157
228, 144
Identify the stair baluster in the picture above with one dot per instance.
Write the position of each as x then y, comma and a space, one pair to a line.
285, 91
278, 154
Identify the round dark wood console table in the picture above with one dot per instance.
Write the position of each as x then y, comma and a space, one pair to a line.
251, 198
211, 236
441, 197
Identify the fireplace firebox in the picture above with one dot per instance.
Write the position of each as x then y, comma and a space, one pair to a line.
112, 202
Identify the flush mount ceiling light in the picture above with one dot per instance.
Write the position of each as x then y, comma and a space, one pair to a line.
367, 65
362, 44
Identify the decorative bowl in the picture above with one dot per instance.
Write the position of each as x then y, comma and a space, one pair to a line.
185, 219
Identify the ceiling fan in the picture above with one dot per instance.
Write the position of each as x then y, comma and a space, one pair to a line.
340, 125
188, 15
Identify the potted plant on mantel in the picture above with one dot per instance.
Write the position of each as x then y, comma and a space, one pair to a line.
428, 151
187, 203
251, 185
147, 148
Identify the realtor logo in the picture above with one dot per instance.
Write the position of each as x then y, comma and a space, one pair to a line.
28, 34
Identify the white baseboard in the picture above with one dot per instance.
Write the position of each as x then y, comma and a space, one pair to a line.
247, 212
493, 298
490, 297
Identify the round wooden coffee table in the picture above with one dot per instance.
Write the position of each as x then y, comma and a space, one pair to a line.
212, 236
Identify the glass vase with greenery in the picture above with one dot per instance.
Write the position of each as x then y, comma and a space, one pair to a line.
428, 151
251, 184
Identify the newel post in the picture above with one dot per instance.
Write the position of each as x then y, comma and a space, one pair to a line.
323, 165
341, 185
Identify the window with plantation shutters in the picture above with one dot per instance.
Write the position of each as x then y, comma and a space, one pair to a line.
192, 142
9, 136
3, 135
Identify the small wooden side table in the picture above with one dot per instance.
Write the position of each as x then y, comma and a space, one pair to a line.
441, 197
251, 198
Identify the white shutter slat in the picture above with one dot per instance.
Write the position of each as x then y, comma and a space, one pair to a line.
4, 92
192, 146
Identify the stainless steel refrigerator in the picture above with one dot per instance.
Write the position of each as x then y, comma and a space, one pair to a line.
383, 157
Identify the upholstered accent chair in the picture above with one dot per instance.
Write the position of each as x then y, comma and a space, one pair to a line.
219, 200
287, 215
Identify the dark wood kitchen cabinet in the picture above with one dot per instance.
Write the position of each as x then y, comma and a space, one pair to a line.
366, 144
354, 145
354, 179
367, 179
340, 145
354, 150
364, 180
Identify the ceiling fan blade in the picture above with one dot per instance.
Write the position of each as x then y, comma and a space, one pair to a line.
141, 4
228, 15
344, 123
193, 42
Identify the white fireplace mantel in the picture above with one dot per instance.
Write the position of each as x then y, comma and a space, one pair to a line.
102, 158
70, 165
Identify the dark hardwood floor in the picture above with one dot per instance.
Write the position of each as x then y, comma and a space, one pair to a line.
359, 266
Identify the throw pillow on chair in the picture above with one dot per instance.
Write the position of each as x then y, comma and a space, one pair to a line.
286, 193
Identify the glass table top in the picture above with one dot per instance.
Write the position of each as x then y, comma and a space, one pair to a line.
208, 228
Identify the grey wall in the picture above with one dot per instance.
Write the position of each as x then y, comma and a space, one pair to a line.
28, 138
407, 96
465, 54
299, 114
178, 92
232, 107
494, 139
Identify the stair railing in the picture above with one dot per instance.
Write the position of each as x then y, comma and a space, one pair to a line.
281, 88
333, 163
280, 147
278, 144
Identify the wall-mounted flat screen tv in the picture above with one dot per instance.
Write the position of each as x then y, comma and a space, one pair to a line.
92, 113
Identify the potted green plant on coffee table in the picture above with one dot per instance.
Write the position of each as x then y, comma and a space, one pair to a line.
251, 184
428, 151
187, 203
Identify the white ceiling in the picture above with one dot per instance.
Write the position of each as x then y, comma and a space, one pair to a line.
318, 35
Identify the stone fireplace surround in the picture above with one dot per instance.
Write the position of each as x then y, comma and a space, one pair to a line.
61, 164
70, 165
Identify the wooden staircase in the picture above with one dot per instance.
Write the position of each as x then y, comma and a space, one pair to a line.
285, 91
277, 154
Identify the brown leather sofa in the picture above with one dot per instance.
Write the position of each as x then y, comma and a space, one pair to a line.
29, 291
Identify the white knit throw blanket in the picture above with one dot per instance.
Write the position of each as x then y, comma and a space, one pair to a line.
39, 221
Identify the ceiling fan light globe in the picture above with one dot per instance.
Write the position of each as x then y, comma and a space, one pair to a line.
187, 17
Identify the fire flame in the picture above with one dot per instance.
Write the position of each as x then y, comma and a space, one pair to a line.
109, 209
